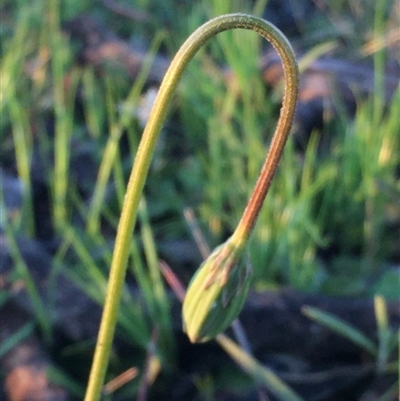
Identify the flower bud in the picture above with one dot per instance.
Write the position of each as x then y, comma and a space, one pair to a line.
216, 293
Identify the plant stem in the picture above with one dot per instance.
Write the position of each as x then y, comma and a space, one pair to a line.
143, 159
249, 217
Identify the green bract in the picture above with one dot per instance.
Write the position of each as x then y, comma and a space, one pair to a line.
216, 293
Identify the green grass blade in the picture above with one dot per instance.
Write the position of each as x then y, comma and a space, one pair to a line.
259, 373
116, 126
390, 394
340, 327
9, 343
385, 334
23, 272
163, 317
58, 377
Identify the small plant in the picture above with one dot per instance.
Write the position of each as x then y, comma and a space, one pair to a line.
218, 290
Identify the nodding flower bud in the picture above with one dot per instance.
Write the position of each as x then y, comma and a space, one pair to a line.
216, 293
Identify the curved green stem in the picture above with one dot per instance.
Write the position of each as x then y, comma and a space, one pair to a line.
143, 159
